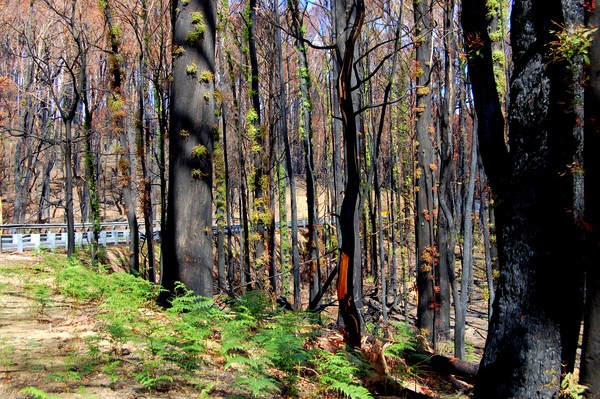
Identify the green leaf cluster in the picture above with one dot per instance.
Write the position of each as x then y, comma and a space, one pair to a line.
194, 35
572, 44
570, 387
191, 69
199, 151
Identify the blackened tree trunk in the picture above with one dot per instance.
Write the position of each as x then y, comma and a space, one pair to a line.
43, 213
127, 180
187, 244
68, 149
289, 172
143, 145
337, 179
382, 255
349, 277
221, 182
259, 183
306, 131
461, 301
484, 215
425, 246
446, 225
393, 213
228, 217
160, 73
220, 211
91, 171
117, 105
590, 359
531, 332
245, 278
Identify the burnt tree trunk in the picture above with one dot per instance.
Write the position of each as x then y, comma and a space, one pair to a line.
446, 225
143, 148
425, 246
295, 267
245, 279
590, 359
260, 219
187, 244
117, 105
306, 132
532, 330
91, 170
349, 277
461, 301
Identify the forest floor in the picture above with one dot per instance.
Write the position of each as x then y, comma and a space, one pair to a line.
44, 335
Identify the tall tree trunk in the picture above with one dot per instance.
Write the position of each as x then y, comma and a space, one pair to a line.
349, 286
69, 212
245, 278
460, 303
256, 132
43, 214
230, 273
382, 255
338, 174
289, 170
162, 117
228, 197
91, 171
290, 175
306, 133
69, 102
484, 214
394, 225
221, 200
272, 259
446, 229
590, 358
531, 330
143, 146
125, 164
24, 147
425, 246
44, 204
187, 244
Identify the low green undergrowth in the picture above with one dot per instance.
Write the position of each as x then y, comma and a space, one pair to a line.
260, 350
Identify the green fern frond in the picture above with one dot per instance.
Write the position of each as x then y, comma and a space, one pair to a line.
351, 391
243, 361
231, 346
259, 385
339, 371
35, 393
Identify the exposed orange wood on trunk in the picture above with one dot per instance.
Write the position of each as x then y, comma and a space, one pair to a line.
342, 284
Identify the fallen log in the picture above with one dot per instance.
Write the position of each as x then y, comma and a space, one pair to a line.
454, 366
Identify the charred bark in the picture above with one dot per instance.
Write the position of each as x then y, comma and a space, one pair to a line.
350, 277
425, 246
532, 328
590, 359
187, 243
